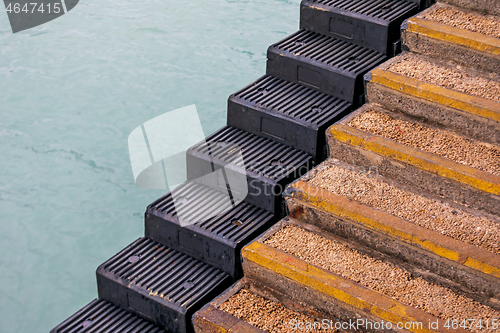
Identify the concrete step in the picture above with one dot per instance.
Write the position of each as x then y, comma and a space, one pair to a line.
357, 204
429, 158
463, 100
463, 36
286, 112
330, 274
248, 306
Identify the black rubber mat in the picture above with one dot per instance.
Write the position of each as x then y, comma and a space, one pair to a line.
327, 64
287, 112
267, 165
160, 284
375, 24
100, 316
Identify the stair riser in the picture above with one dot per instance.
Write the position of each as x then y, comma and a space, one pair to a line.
219, 255
461, 122
455, 276
411, 176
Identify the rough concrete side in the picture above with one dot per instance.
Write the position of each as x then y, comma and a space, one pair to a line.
437, 270
409, 175
482, 6
461, 122
461, 55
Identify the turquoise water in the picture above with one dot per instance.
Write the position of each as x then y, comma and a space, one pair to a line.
71, 91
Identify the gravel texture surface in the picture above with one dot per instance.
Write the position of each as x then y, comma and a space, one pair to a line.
267, 315
434, 215
485, 25
481, 156
452, 78
380, 276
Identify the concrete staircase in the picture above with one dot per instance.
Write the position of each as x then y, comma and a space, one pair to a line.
399, 230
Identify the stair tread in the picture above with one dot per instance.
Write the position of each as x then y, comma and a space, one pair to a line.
487, 25
470, 30
291, 100
249, 306
428, 156
372, 24
447, 76
382, 10
329, 51
376, 275
446, 144
213, 217
162, 272
287, 112
215, 230
325, 63
265, 314
419, 77
261, 156
158, 283
371, 190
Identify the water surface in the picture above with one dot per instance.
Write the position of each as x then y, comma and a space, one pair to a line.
71, 91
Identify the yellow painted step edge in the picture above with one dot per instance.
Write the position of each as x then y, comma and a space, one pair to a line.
342, 289
454, 35
478, 179
472, 104
469, 255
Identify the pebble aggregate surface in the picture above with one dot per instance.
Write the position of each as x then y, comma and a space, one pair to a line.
485, 25
441, 217
379, 276
448, 77
265, 314
479, 155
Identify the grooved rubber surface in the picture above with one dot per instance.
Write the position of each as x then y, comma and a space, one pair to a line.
378, 9
100, 316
